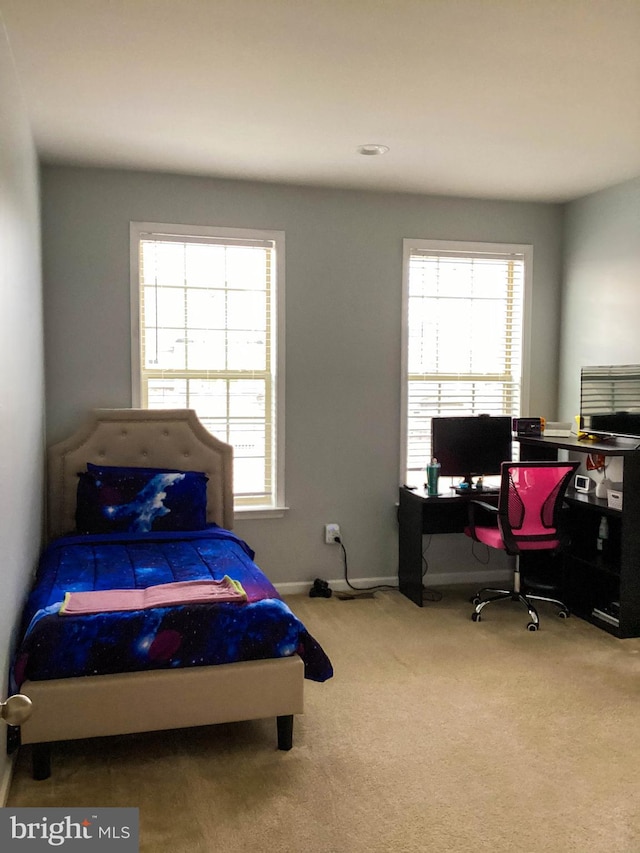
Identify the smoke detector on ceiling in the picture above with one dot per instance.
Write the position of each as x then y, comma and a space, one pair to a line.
371, 149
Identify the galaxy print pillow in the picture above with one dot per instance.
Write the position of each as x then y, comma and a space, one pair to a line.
140, 500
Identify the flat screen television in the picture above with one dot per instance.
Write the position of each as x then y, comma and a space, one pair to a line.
610, 400
469, 447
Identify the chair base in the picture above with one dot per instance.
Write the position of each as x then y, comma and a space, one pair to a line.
514, 595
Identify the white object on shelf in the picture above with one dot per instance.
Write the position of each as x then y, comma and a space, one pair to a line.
557, 429
603, 533
614, 498
606, 617
602, 487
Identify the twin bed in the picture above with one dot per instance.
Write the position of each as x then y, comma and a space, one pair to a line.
147, 496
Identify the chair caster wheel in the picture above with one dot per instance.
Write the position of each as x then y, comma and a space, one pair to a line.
532, 626
563, 614
475, 600
475, 617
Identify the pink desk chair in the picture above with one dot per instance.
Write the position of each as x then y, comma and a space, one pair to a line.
527, 518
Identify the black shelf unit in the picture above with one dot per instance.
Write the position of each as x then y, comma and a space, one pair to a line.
602, 585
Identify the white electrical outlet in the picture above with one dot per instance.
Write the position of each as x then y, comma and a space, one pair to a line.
331, 533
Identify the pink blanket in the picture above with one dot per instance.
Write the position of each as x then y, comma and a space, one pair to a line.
162, 595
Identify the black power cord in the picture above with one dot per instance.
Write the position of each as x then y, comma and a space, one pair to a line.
320, 588
363, 591
427, 593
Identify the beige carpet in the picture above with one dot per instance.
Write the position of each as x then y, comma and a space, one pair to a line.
436, 734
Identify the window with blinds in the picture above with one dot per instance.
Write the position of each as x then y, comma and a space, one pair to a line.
462, 337
609, 389
208, 335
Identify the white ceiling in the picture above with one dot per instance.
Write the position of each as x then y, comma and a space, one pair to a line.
511, 99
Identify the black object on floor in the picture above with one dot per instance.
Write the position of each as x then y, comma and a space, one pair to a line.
320, 589
348, 596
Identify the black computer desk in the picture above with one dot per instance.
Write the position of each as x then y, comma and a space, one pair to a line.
593, 578
419, 514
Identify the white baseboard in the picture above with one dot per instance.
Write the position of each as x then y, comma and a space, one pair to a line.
478, 577
5, 779
338, 584
431, 579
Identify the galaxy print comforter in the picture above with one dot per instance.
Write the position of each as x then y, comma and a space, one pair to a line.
55, 646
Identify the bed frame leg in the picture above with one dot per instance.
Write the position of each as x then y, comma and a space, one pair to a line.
41, 761
285, 731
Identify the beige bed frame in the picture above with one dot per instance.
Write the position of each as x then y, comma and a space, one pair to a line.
92, 706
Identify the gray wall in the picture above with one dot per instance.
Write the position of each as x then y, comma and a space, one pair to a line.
343, 271
601, 303
21, 367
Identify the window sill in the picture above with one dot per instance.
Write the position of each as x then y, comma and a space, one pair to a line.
248, 512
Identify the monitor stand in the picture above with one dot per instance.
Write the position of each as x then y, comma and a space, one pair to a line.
465, 487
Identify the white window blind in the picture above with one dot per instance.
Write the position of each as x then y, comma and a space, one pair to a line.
463, 337
609, 389
208, 339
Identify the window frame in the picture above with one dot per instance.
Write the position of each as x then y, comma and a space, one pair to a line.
276, 506
468, 247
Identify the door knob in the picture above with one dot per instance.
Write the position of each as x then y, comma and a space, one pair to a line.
16, 710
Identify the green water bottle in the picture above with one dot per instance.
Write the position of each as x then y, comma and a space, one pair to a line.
433, 472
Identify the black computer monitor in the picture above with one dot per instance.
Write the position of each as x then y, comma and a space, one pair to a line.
469, 447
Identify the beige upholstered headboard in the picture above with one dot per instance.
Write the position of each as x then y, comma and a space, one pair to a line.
150, 438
